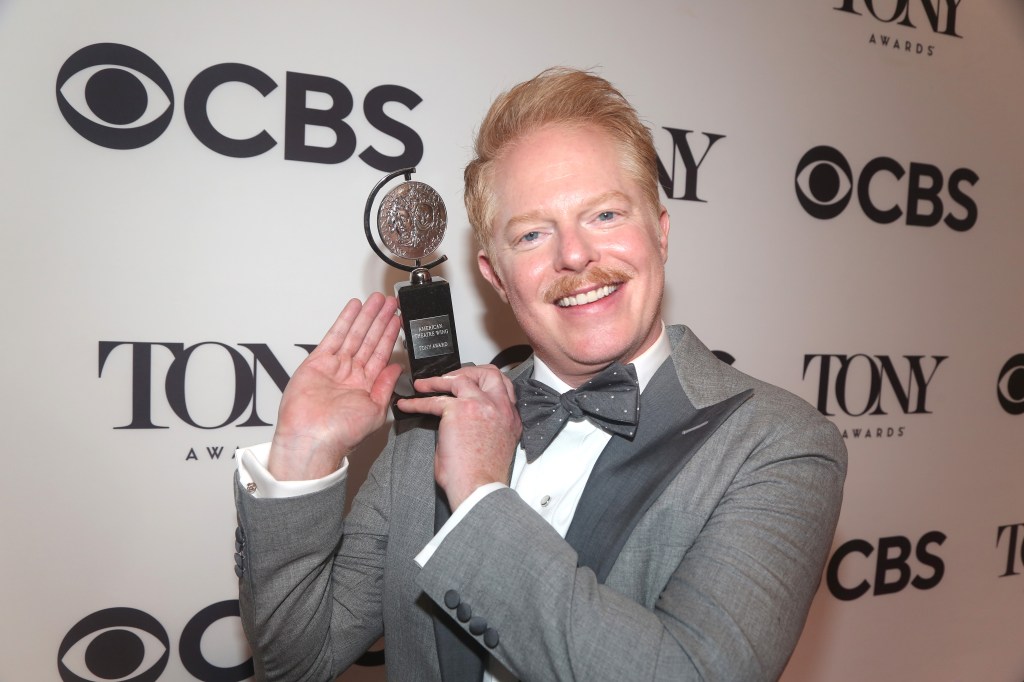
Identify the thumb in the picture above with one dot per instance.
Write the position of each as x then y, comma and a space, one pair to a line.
384, 384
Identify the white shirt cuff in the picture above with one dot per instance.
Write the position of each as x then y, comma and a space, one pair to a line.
480, 493
253, 473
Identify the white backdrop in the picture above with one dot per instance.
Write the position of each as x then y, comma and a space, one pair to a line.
135, 279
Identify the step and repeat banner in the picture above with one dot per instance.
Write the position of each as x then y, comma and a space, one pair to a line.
182, 188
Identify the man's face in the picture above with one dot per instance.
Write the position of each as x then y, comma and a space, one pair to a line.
575, 251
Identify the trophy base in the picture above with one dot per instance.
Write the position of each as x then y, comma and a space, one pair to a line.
428, 322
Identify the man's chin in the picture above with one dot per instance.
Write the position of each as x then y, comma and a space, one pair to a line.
598, 350
597, 359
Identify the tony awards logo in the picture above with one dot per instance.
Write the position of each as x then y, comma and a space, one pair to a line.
411, 221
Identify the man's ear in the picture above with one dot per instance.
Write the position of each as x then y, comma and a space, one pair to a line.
490, 274
664, 225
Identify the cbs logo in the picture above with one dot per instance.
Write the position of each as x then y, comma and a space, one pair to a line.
825, 185
117, 97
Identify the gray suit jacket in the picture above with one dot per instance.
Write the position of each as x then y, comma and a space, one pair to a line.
693, 555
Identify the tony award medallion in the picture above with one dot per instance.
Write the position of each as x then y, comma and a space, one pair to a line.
411, 222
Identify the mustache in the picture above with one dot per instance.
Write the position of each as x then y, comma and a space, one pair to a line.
597, 276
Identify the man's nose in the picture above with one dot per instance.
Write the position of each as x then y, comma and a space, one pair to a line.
576, 249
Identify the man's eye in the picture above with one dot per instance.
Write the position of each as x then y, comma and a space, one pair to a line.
529, 236
606, 215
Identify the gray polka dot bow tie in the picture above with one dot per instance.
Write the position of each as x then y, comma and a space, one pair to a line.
610, 400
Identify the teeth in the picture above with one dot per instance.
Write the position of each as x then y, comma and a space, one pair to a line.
589, 297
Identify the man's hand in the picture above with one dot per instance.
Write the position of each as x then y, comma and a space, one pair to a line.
340, 394
479, 428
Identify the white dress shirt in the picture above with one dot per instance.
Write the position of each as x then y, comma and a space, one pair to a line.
551, 485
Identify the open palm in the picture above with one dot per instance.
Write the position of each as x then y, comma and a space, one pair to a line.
339, 395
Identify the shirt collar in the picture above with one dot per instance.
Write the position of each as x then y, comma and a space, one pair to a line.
646, 364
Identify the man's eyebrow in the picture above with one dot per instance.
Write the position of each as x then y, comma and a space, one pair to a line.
536, 216
528, 217
612, 195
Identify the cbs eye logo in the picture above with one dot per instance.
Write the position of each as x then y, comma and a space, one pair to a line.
824, 182
114, 644
1011, 385
129, 645
115, 96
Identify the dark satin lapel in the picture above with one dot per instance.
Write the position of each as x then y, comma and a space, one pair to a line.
459, 656
630, 476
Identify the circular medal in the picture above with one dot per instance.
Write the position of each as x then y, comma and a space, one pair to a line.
411, 220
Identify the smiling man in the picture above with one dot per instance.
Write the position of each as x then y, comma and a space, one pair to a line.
622, 506
577, 250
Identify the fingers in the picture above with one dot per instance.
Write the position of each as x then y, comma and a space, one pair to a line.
485, 383
492, 380
366, 332
486, 378
356, 336
339, 330
434, 405
453, 383
379, 339
381, 354
457, 385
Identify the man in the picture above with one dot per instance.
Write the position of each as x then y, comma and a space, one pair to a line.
683, 545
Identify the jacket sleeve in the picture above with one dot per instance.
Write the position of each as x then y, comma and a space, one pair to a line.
310, 583
731, 609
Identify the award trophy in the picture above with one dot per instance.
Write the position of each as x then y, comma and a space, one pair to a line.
411, 221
